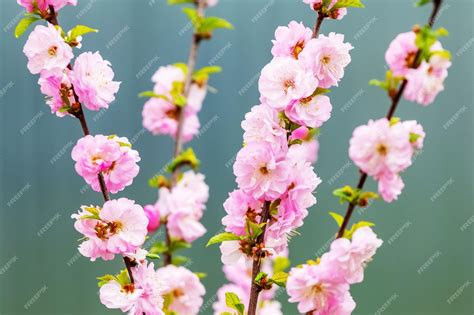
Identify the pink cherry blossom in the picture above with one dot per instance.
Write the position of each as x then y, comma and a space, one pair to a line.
42, 5
290, 40
306, 151
416, 131
423, 84
284, 80
161, 117
153, 288
230, 252
311, 111
238, 206
118, 228
153, 215
92, 78
260, 173
184, 225
327, 57
111, 156
117, 296
46, 50
184, 287
390, 186
52, 85
401, 53
377, 147
315, 290
263, 124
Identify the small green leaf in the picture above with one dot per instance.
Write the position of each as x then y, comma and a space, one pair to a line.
193, 16
233, 301
280, 263
178, 260
159, 181
279, 278
122, 277
105, 279
187, 157
349, 233
153, 94
174, 2
80, 30
201, 76
153, 256
337, 217
346, 193
222, 237
348, 3
254, 229
201, 275
24, 23
210, 23
261, 275
420, 3
159, 247
177, 245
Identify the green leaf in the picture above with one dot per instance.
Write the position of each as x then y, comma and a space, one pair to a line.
233, 301
279, 278
177, 245
122, 277
346, 193
173, 2
159, 247
280, 263
349, 233
337, 217
182, 66
420, 3
193, 16
153, 94
178, 260
202, 75
201, 275
186, 157
153, 256
159, 181
261, 275
210, 23
24, 23
176, 92
105, 279
222, 237
254, 229
348, 3
80, 30
441, 32
364, 197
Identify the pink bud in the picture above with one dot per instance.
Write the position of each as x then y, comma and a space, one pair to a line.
300, 133
153, 215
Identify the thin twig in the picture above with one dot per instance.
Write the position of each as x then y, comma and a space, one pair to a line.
395, 101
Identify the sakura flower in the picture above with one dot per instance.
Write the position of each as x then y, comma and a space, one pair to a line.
111, 156
161, 117
423, 84
117, 296
390, 186
239, 206
55, 86
270, 308
417, 134
183, 225
92, 78
314, 289
351, 257
290, 40
310, 111
118, 228
42, 5
327, 57
46, 50
284, 80
260, 173
193, 185
153, 215
230, 252
306, 151
378, 148
263, 124
401, 53
152, 289
184, 287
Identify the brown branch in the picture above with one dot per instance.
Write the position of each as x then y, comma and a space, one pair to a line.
395, 101
195, 43
318, 23
78, 112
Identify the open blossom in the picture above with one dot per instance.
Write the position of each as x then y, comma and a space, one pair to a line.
46, 50
230, 252
120, 227
327, 57
417, 134
377, 147
351, 256
423, 84
306, 151
262, 124
260, 172
144, 296
401, 53
311, 111
284, 80
43, 5
290, 40
184, 287
390, 186
55, 85
316, 289
238, 206
112, 156
93, 82
161, 117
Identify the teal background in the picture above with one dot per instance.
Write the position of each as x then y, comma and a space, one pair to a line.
428, 254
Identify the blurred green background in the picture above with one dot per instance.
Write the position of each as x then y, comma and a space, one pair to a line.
426, 263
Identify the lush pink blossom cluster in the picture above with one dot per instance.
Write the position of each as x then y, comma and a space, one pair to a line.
110, 155
275, 163
425, 81
239, 279
181, 207
43, 5
322, 288
161, 114
49, 55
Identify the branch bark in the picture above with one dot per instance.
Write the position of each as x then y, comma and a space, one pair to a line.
395, 101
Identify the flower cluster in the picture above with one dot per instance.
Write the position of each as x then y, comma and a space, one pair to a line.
424, 81
181, 207
50, 56
161, 113
274, 166
110, 156
322, 287
383, 149
239, 279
